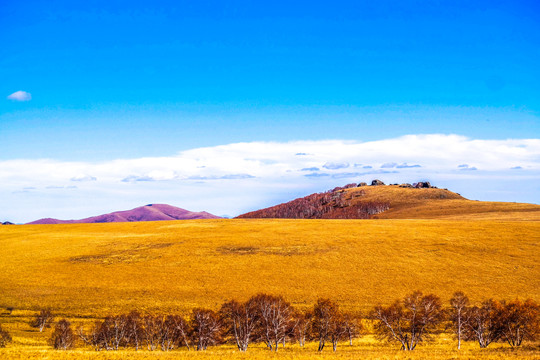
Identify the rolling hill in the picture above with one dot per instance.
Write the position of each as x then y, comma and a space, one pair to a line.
151, 212
95, 268
395, 202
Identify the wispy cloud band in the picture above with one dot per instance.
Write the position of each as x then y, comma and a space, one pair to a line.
229, 179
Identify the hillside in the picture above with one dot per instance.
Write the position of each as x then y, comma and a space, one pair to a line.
87, 268
395, 202
151, 212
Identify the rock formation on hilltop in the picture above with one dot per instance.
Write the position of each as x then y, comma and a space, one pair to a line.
360, 201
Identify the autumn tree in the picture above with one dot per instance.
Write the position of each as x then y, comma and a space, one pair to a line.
273, 318
205, 328
151, 331
483, 323
300, 326
353, 326
182, 330
459, 304
42, 320
62, 337
408, 321
519, 321
240, 321
92, 337
5, 337
325, 314
134, 330
109, 334
338, 330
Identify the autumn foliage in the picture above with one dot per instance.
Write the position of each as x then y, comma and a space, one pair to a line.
333, 204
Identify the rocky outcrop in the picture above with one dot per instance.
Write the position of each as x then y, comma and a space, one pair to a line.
377, 182
422, 185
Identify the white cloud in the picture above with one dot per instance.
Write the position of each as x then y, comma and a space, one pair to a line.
83, 178
335, 165
235, 178
20, 96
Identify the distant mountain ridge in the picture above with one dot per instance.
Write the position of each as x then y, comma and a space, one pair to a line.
150, 212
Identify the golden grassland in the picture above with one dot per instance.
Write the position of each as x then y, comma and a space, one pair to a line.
432, 203
91, 270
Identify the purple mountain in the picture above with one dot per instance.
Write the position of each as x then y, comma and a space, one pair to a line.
151, 212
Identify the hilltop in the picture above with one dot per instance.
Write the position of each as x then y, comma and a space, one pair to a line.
150, 212
405, 201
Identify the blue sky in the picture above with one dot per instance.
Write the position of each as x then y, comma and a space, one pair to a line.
129, 80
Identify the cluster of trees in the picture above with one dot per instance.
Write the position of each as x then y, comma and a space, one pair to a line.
327, 205
273, 321
417, 317
263, 319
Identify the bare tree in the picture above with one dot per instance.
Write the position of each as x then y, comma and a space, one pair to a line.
42, 320
181, 330
5, 337
300, 326
205, 328
151, 332
483, 323
353, 326
459, 304
62, 336
520, 320
325, 313
273, 315
240, 321
338, 330
409, 321
167, 332
92, 337
134, 330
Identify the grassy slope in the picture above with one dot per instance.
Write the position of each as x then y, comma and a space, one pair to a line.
406, 203
90, 268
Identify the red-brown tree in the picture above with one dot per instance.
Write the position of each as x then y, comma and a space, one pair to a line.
409, 321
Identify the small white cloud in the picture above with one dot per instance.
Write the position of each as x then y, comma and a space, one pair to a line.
136, 178
20, 96
84, 178
406, 166
466, 167
336, 165
388, 165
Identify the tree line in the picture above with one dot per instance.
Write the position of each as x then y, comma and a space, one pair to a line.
272, 321
331, 204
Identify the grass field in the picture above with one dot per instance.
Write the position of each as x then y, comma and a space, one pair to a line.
433, 203
92, 268
96, 269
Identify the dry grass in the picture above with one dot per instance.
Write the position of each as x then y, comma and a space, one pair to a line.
407, 203
96, 269
92, 268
